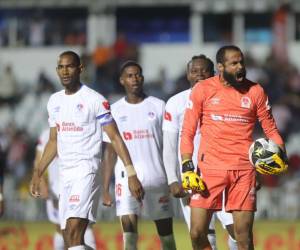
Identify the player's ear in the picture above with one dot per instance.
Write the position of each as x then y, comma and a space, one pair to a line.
121, 80
81, 67
220, 67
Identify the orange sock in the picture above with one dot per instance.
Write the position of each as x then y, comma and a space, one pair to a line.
207, 248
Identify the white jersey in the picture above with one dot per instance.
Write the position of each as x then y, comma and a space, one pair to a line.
141, 128
78, 119
173, 119
53, 170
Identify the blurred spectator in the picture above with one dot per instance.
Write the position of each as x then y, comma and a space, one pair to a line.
37, 32
8, 86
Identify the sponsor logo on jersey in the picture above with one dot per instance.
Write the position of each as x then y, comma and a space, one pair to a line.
230, 118
151, 115
168, 116
106, 105
137, 134
74, 198
245, 102
127, 136
70, 127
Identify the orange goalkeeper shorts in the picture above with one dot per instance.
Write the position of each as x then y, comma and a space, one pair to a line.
239, 186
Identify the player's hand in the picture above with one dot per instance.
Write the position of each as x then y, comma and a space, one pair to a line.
192, 181
136, 187
107, 199
176, 190
35, 185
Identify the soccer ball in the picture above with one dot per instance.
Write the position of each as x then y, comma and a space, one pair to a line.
267, 157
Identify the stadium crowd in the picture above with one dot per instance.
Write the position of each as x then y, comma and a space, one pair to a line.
23, 116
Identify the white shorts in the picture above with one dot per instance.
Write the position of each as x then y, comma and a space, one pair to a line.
79, 198
52, 212
156, 203
186, 210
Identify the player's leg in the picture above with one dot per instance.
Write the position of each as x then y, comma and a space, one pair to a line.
200, 219
89, 238
75, 230
186, 210
211, 235
241, 200
227, 223
78, 203
243, 224
128, 209
157, 206
130, 231
164, 229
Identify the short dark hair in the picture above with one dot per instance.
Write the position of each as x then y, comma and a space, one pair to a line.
129, 64
202, 57
220, 56
73, 54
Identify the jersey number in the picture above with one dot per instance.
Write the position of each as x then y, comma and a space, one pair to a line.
119, 189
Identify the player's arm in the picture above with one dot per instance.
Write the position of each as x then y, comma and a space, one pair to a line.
120, 148
170, 149
47, 157
266, 119
107, 167
190, 180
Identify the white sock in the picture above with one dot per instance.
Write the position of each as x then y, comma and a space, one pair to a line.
58, 241
81, 247
130, 241
232, 243
213, 241
89, 238
167, 242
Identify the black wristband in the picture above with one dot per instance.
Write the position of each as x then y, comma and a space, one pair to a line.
187, 166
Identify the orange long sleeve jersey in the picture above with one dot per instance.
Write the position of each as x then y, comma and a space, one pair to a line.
227, 119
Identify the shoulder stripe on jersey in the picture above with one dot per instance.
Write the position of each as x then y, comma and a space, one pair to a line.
102, 115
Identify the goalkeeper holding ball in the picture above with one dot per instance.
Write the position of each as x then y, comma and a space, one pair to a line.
199, 68
227, 107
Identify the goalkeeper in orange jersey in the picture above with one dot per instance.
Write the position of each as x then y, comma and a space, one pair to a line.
227, 107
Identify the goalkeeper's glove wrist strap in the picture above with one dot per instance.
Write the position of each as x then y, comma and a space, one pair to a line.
187, 166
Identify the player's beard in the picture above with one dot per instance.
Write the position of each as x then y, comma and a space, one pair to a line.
231, 78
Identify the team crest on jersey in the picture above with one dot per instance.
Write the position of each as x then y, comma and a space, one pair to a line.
151, 115
245, 102
79, 106
106, 105
168, 116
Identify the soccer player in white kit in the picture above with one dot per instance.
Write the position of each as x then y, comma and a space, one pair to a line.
51, 193
198, 68
139, 119
77, 117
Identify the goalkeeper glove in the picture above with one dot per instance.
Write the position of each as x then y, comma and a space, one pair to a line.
190, 180
278, 166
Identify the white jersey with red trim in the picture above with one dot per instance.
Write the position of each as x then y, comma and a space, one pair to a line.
78, 119
141, 128
53, 170
173, 119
